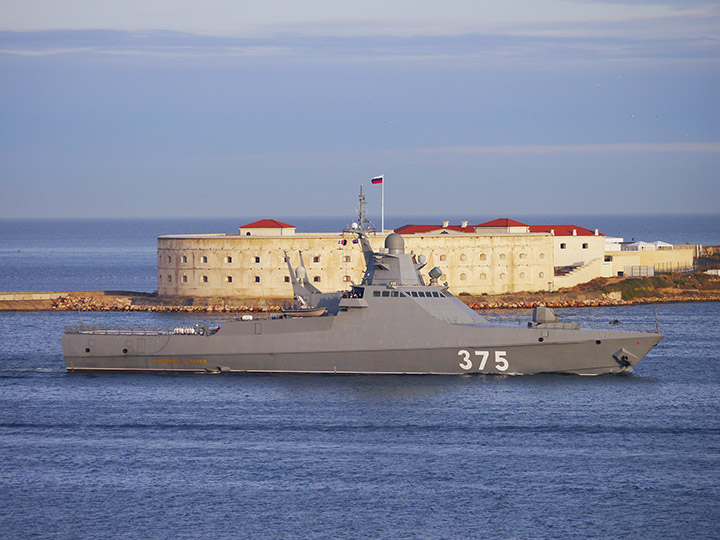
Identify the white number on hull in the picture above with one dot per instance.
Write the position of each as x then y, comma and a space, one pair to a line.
501, 363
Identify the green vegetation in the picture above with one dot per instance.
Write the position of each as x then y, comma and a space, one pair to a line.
632, 288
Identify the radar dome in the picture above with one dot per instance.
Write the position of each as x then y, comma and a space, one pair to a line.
395, 243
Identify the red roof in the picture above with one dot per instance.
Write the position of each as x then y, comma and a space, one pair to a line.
559, 230
267, 224
563, 230
502, 222
420, 229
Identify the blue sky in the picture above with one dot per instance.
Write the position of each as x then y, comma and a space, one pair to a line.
220, 108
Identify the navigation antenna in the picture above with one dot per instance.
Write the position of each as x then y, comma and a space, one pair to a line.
363, 222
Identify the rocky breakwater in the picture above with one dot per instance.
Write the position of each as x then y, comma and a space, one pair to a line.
677, 287
145, 303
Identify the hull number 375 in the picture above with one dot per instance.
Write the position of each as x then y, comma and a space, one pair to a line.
480, 359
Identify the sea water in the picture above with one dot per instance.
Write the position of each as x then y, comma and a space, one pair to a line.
295, 456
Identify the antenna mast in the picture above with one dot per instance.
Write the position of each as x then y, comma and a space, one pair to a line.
363, 222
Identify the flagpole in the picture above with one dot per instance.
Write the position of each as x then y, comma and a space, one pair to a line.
381, 180
382, 206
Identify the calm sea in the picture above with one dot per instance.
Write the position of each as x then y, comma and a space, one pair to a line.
226, 457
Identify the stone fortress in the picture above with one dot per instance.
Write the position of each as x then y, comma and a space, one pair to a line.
499, 256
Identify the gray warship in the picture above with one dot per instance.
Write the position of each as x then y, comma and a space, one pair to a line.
394, 322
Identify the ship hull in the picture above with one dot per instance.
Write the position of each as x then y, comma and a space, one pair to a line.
458, 350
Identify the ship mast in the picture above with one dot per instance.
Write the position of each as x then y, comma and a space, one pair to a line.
364, 223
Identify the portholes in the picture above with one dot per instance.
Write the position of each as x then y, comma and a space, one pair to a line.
87, 349
541, 339
598, 342
124, 351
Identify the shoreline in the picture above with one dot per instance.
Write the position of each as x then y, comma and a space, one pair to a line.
126, 301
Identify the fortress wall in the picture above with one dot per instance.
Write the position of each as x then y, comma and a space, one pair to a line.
578, 250
662, 260
254, 266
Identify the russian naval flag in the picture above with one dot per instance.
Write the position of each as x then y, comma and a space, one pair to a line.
378, 179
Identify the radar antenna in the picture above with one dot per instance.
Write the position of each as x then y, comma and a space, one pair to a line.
362, 227
363, 222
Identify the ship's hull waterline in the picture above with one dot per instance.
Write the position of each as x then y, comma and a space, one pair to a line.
586, 354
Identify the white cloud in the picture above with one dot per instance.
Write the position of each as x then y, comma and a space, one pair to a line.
232, 18
709, 147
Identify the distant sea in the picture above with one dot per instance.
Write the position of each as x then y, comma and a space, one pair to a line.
118, 456
121, 254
